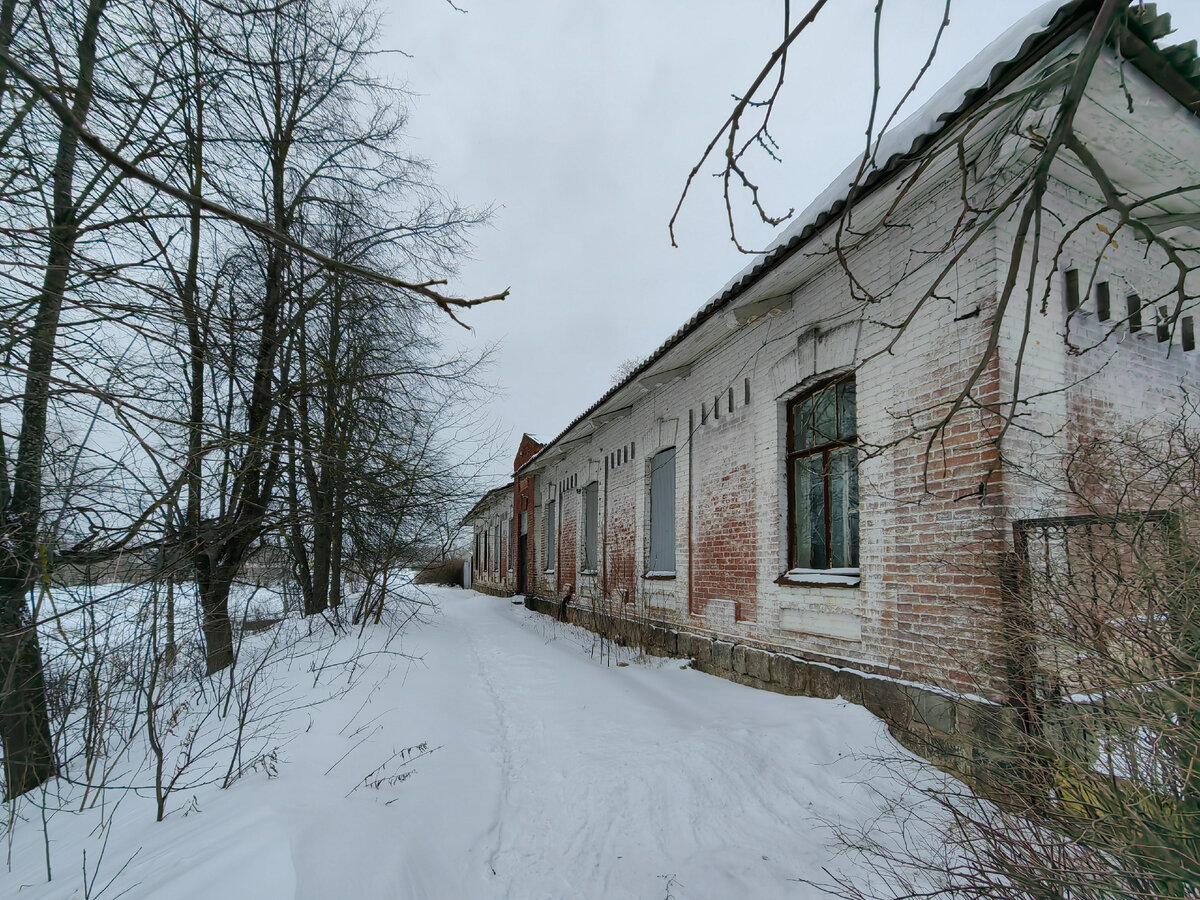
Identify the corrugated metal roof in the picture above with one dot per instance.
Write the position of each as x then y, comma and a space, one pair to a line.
1003, 61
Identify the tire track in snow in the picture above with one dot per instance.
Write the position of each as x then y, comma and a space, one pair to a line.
496, 830
615, 778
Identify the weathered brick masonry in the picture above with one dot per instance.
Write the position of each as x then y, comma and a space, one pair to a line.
724, 517
618, 530
964, 401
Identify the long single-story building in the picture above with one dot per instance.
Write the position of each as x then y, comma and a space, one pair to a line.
813, 482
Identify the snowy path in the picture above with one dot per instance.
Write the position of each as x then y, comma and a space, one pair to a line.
555, 775
563, 777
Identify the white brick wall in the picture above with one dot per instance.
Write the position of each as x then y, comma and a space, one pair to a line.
932, 526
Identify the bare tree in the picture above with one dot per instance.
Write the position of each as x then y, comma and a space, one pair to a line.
109, 179
1098, 795
319, 135
1051, 142
1095, 641
370, 393
625, 368
24, 725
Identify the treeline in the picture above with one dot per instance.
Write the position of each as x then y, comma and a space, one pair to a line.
220, 277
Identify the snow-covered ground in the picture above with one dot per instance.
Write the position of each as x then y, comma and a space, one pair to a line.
532, 762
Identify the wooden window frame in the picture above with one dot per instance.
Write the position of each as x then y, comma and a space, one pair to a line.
824, 450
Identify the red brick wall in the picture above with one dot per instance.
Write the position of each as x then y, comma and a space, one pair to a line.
620, 532
568, 540
525, 451
725, 537
948, 536
523, 499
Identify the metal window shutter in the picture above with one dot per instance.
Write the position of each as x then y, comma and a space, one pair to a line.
662, 512
590, 517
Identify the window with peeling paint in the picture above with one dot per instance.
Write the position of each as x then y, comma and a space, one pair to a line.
822, 473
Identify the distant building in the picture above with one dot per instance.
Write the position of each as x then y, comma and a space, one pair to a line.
758, 493
502, 560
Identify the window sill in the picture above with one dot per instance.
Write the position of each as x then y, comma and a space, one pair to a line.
659, 576
547, 571
842, 578
590, 572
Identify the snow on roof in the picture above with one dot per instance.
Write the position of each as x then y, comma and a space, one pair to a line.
902, 140
1003, 59
477, 509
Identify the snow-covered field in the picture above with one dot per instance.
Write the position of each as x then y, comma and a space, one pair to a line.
505, 755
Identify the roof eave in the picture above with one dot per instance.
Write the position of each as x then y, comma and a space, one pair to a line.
1066, 22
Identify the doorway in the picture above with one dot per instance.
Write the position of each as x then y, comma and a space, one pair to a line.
523, 554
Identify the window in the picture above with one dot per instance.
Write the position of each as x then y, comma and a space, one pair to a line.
1133, 311
662, 513
822, 466
550, 535
591, 521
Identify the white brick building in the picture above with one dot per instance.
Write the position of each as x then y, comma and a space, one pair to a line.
672, 502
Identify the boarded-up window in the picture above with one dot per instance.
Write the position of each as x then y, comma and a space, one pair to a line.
550, 535
662, 512
591, 520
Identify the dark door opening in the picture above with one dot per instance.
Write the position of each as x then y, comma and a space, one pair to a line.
522, 554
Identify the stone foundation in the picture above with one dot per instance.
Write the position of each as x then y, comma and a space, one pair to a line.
495, 590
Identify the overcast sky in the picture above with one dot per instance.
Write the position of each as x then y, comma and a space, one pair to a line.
580, 120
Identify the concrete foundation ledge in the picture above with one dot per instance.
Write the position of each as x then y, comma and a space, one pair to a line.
956, 733
495, 590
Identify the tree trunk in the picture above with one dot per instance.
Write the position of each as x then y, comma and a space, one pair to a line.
314, 571
335, 561
297, 544
24, 717
216, 624
190, 304
320, 559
